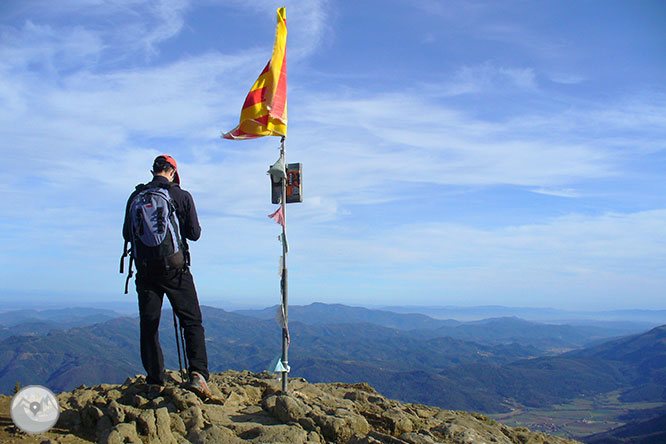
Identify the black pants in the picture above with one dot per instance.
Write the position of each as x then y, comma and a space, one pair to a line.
151, 285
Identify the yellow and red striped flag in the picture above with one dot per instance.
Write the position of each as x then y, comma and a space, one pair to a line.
264, 112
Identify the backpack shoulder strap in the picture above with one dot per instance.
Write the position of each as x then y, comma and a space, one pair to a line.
173, 207
168, 187
129, 274
173, 217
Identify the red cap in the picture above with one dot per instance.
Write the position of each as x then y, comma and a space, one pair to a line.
163, 159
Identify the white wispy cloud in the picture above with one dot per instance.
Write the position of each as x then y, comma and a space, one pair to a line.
132, 26
559, 192
601, 242
169, 18
438, 144
307, 21
487, 78
567, 78
581, 260
48, 49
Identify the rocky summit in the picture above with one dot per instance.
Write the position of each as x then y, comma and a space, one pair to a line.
249, 408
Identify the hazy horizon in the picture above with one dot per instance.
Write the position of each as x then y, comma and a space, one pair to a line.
456, 312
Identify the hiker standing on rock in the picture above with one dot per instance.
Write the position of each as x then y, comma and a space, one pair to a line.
159, 218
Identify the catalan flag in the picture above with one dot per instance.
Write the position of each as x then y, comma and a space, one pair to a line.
264, 112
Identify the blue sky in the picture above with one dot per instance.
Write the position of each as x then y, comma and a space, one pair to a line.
454, 152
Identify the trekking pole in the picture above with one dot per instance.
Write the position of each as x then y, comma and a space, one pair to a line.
182, 340
175, 326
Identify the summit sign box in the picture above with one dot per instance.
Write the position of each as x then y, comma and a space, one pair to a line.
294, 185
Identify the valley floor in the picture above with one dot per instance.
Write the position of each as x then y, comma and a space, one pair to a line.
576, 419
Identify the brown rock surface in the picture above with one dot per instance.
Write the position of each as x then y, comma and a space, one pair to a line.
249, 408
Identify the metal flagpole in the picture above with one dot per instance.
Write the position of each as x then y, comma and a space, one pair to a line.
284, 281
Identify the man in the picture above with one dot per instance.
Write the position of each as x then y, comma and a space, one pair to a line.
170, 276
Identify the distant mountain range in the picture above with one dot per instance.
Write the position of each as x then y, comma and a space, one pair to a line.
494, 331
320, 314
618, 317
485, 366
62, 316
64, 359
39, 322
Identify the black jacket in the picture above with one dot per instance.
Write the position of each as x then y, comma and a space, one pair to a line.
185, 210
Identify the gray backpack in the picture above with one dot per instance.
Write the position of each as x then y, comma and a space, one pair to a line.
155, 233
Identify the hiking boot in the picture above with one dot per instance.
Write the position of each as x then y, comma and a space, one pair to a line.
155, 389
199, 386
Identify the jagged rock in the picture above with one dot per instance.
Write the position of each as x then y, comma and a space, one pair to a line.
139, 401
122, 413
363, 440
358, 424
213, 435
253, 393
308, 424
90, 415
103, 425
193, 418
289, 409
313, 437
475, 430
177, 424
122, 434
82, 397
158, 402
182, 399
334, 428
163, 425
145, 424
268, 403
216, 413
69, 419
423, 412
115, 412
114, 394
386, 439
417, 438
398, 422
276, 434
132, 386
